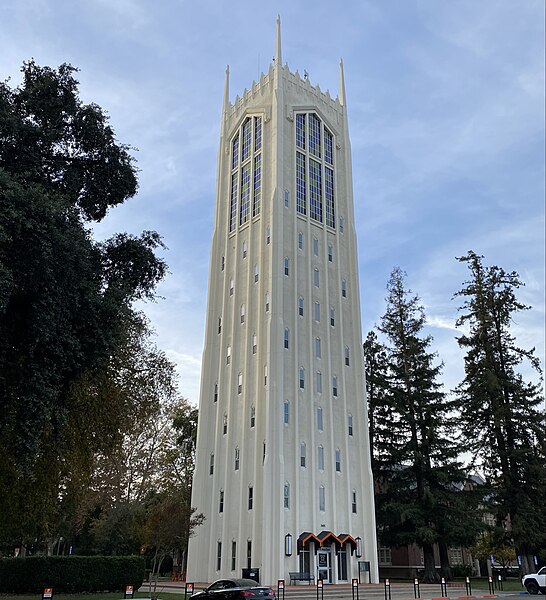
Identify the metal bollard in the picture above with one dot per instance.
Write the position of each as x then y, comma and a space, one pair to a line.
320, 589
491, 586
443, 587
354, 588
280, 589
416, 589
500, 584
468, 586
387, 587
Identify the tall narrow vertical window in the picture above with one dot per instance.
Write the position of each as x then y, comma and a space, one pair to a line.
247, 137
242, 314
330, 253
256, 273
265, 374
347, 356
341, 224
254, 344
257, 133
318, 382
302, 378
250, 497
233, 204
353, 502
231, 287
257, 197
223, 263
328, 147
233, 554
244, 212
286, 495
245, 249
320, 423
317, 312
240, 383
314, 135
322, 498
286, 198
300, 131
303, 455
316, 278
268, 235
252, 416
315, 190
315, 246
300, 306
329, 196
320, 458
286, 266
211, 464
219, 325
350, 424
286, 414
216, 392
301, 187
264, 452
334, 386
338, 460
344, 288
224, 424
267, 302
286, 338
318, 348
228, 355
235, 152
332, 317
249, 554
218, 555
300, 240
237, 459
221, 502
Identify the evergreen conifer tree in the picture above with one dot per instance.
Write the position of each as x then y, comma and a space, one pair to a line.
421, 478
502, 415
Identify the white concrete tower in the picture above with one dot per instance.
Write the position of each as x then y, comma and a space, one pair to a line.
283, 471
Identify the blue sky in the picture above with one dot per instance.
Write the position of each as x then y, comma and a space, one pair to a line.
446, 114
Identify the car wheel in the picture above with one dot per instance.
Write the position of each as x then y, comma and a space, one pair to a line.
532, 587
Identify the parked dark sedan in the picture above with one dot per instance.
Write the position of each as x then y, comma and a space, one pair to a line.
234, 589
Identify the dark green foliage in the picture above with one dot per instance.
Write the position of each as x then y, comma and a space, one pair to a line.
65, 299
71, 574
503, 416
418, 476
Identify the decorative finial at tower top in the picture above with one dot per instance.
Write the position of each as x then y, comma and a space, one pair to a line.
341, 83
226, 90
278, 53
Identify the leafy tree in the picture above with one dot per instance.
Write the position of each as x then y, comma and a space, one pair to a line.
502, 415
65, 299
420, 500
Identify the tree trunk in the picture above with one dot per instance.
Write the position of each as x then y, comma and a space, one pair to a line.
445, 568
430, 574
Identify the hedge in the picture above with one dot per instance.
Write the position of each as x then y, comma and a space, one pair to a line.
31, 574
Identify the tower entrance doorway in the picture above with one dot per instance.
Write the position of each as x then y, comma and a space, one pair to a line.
324, 565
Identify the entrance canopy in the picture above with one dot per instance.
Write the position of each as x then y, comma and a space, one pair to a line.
326, 538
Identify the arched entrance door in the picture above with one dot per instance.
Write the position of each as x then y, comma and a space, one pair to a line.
324, 564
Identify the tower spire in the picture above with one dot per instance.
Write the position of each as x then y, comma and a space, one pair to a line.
278, 52
341, 83
226, 91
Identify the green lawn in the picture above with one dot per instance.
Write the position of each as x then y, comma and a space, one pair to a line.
510, 585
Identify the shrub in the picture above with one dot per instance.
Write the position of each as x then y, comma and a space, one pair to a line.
32, 574
462, 570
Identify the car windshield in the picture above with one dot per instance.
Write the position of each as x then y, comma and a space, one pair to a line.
245, 583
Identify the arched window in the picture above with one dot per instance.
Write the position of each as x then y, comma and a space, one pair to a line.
231, 287
245, 248
242, 314
254, 343
219, 325
286, 495
221, 502
318, 382
334, 386
322, 498
303, 455
347, 356
237, 457
228, 355
350, 424
286, 417
240, 383
286, 338
320, 423
252, 416
267, 302
211, 464
300, 306
344, 288
256, 273
300, 240
320, 458
224, 426
216, 392
338, 460
286, 266
318, 348
302, 378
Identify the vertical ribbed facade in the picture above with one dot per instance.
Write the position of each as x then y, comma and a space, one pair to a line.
282, 449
